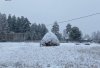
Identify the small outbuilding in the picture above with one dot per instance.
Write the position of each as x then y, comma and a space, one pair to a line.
50, 39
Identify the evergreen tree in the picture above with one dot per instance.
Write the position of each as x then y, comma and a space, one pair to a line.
68, 28
10, 22
75, 34
26, 25
66, 32
13, 23
33, 31
17, 25
38, 31
55, 30
4, 28
44, 30
22, 25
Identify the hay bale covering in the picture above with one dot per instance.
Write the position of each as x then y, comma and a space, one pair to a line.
50, 39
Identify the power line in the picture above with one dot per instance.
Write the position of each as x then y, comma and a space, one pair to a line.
78, 18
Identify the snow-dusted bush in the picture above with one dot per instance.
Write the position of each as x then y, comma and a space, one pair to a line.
49, 39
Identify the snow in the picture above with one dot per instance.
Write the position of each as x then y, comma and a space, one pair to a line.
31, 55
49, 37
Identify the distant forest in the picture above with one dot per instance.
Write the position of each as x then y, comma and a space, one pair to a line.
14, 28
18, 29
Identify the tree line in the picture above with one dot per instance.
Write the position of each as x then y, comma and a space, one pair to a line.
74, 34
14, 28
20, 26
69, 34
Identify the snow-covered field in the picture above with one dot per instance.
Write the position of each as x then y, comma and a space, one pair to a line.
31, 55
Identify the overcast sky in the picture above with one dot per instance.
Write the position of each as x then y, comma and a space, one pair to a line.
49, 11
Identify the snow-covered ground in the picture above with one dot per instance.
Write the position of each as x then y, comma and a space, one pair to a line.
31, 55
